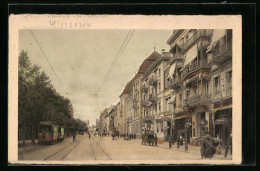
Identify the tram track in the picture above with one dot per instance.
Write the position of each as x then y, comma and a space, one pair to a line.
104, 152
92, 150
62, 149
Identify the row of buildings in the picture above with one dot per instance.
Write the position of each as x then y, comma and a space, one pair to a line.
186, 91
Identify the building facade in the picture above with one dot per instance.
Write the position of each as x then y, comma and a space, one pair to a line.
186, 91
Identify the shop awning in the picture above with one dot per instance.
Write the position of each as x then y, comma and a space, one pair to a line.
180, 117
221, 121
172, 70
191, 55
217, 34
172, 100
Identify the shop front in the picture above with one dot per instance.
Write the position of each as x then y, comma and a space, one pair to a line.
223, 124
180, 125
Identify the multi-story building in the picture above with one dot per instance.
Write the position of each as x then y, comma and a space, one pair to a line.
97, 125
116, 116
129, 113
190, 84
186, 91
103, 121
153, 96
196, 80
220, 56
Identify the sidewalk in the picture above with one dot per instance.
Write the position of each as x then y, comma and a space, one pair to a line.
191, 149
28, 146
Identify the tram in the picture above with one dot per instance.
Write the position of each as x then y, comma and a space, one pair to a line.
50, 132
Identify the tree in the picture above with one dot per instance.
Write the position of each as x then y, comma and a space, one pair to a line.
38, 100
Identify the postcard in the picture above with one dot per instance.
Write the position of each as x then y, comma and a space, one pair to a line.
125, 89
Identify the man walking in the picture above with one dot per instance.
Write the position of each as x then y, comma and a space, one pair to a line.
155, 139
74, 137
229, 145
178, 140
207, 146
170, 140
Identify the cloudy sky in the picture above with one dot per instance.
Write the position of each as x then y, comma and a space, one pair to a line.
82, 58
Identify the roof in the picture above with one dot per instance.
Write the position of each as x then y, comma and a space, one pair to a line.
129, 85
104, 111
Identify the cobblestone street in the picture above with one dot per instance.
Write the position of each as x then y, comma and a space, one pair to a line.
104, 148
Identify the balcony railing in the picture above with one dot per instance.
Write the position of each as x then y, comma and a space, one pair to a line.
175, 84
198, 99
223, 51
175, 57
194, 38
153, 80
195, 66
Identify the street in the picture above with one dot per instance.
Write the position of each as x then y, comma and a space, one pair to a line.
104, 148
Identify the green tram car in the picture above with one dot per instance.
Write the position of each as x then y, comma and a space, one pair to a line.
148, 138
50, 132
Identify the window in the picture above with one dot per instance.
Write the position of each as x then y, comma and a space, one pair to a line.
174, 107
159, 71
216, 84
229, 79
180, 99
159, 104
155, 108
159, 87
188, 93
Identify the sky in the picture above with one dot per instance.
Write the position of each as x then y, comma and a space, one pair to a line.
82, 58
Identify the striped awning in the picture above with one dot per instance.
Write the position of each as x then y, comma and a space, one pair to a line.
191, 55
172, 70
172, 100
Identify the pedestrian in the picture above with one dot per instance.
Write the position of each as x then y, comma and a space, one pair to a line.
178, 140
74, 137
207, 146
181, 140
155, 139
228, 146
89, 135
170, 140
217, 141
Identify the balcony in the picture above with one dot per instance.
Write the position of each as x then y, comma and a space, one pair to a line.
222, 51
175, 84
176, 57
199, 34
152, 98
153, 80
192, 67
198, 99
